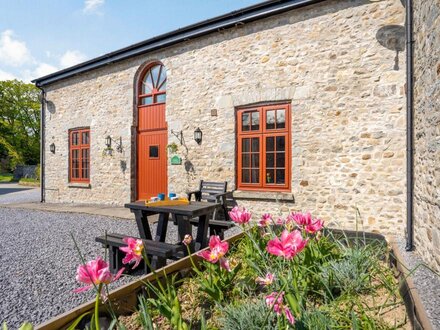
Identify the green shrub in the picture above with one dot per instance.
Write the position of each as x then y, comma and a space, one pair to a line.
248, 315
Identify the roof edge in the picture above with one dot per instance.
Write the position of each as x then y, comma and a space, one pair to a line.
231, 19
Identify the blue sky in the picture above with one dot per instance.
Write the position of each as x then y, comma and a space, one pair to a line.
38, 37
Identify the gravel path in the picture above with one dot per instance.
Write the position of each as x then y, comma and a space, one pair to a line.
426, 282
38, 260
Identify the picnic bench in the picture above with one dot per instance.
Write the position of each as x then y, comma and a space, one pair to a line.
215, 192
159, 252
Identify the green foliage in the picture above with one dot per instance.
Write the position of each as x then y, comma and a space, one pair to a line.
24, 326
6, 177
215, 282
167, 302
19, 122
248, 315
352, 273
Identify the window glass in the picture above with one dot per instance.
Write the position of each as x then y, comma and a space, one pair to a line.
270, 119
270, 161
281, 159
255, 144
270, 176
147, 100
155, 74
245, 120
255, 160
75, 139
85, 138
280, 176
246, 160
161, 98
255, 121
255, 176
280, 143
148, 84
245, 176
281, 118
246, 145
154, 152
270, 144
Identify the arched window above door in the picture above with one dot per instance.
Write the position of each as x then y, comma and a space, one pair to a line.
152, 89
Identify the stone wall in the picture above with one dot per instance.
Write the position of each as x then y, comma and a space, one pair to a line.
334, 62
427, 131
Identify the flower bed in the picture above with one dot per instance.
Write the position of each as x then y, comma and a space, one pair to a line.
283, 273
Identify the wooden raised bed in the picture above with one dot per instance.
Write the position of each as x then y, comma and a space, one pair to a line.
125, 298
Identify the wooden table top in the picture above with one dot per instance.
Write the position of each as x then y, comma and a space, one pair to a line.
193, 209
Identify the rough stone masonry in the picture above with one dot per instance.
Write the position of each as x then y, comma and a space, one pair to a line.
336, 62
427, 131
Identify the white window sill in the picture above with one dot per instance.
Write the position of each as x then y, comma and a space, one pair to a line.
264, 195
79, 185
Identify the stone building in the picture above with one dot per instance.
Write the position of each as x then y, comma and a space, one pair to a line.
301, 105
427, 131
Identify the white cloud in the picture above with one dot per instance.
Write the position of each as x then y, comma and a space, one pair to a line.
91, 6
43, 69
72, 57
13, 52
6, 76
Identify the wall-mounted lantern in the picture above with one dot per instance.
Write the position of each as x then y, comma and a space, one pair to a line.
108, 143
52, 148
198, 135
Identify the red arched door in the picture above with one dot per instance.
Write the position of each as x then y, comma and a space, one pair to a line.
152, 133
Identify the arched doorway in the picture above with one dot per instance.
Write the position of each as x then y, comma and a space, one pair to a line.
152, 133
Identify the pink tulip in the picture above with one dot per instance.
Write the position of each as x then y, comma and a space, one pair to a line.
288, 245
187, 239
265, 220
217, 250
240, 215
95, 272
133, 251
278, 305
267, 280
305, 220
314, 227
224, 263
280, 221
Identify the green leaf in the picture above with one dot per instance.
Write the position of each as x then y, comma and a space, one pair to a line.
76, 322
26, 326
5, 326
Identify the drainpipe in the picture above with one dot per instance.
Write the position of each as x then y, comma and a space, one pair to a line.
409, 127
42, 142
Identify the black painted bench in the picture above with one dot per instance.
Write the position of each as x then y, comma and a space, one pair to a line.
158, 252
215, 192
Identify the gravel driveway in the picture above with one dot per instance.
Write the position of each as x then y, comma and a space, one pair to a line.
38, 260
14, 193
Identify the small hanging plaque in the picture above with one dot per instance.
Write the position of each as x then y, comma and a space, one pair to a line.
176, 160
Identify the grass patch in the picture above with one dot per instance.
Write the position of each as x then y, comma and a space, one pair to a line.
29, 182
6, 177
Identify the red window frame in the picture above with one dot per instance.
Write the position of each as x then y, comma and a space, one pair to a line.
79, 155
259, 162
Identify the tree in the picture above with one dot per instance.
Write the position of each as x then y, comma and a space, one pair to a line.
19, 123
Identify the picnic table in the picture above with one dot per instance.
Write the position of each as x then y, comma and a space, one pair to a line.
182, 214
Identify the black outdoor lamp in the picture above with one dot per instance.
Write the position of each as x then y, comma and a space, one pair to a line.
52, 148
108, 141
198, 135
